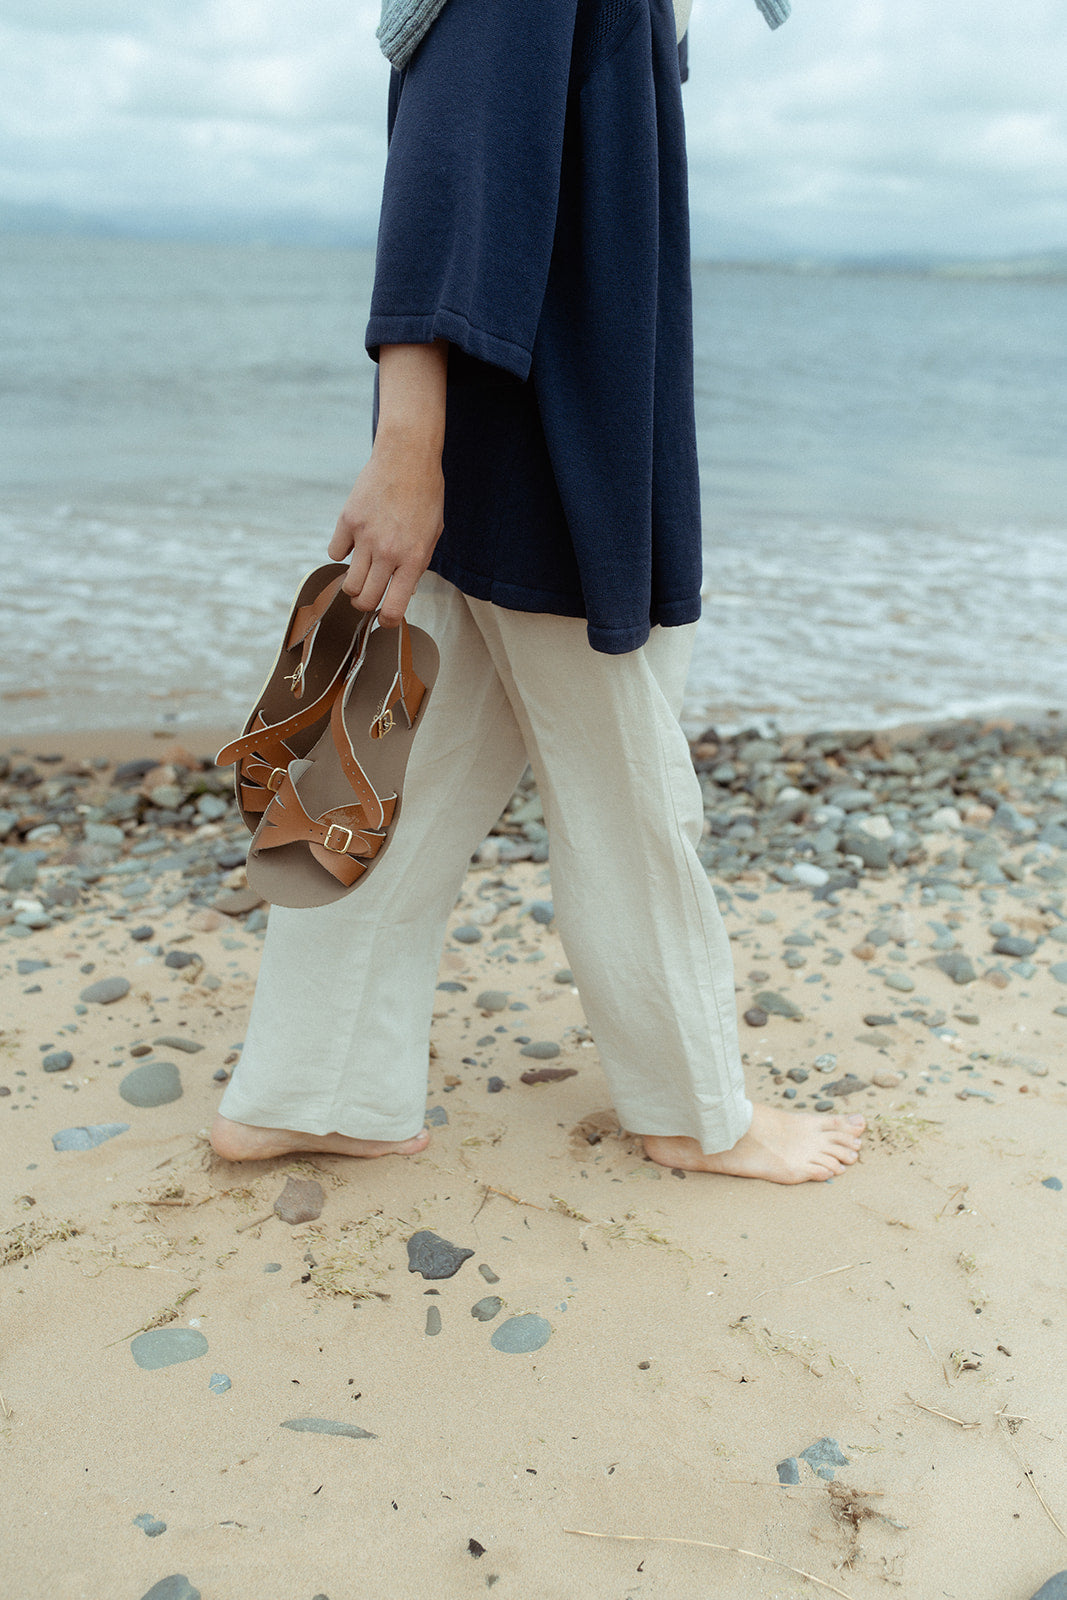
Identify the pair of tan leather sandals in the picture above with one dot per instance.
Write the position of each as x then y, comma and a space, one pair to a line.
321, 762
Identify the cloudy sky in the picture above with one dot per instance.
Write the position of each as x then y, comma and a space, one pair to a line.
861, 126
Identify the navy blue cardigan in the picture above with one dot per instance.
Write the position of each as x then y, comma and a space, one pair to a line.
535, 214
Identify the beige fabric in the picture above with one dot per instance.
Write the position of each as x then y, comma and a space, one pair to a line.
337, 1040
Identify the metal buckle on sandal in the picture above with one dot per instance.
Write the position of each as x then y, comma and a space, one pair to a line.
382, 724
339, 849
274, 782
296, 680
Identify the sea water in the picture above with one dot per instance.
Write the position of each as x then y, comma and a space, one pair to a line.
882, 457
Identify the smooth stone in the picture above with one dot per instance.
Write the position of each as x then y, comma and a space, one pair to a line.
143, 933
756, 1017
542, 1050
1052, 1183
1054, 1588
488, 1274
875, 1019
212, 807
87, 1138
824, 1105
807, 873
1058, 970
433, 1256
495, 1084
777, 1005
301, 1200
21, 874
436, 1117
151, 1525
564, 975
178, 1042
899, 981
1012, 944
467, 934
887, 1080
103, 833
542, 911
347, 1430
873, 853
846, 1085
157, 1083
798, 1074
452, 988
485, 1310
165, 1347
823, 1456
520, 1335
1059, 933
958, 967
58, 1061
492, 1000
218, 1383
235, 902
176, 1587
25, 967
433, 1321
177, 959
105, 991
788, 1470
273, 1266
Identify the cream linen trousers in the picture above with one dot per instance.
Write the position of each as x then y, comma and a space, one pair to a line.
337, 1040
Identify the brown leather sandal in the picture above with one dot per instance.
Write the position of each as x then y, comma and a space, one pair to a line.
320, 639
332, 815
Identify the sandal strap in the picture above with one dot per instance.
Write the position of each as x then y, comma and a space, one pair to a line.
407, 689
306, 622
339, 839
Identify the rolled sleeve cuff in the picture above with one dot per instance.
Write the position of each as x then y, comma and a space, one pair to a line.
425, 327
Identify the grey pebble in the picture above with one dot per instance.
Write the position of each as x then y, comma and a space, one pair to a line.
58, 1061
157, 1083
105, 991
488, 1274
433, 1320
756, 1017
177, 1041
777, 1005
347, 1430
564, 975
846, 1085
495, 1085
542, 911
899, 981
176, 1587
452, 988
22, 873
485, 1310
273, 1266
492, 1000
87, 1138
25, 967
1052, 1183
433, 1256
218, 1383
960, 968
798, 1075
467, 933
1058, 970
436, 1117
180, 958
1054, 1588
165, 1347
823, 1456
543, 1050
520, 1335
143, 933
824, 1105
1012, 944
151, 1525
221, 1075
788, 1470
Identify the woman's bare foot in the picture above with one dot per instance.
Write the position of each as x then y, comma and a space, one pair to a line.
781, 1146
238, 1141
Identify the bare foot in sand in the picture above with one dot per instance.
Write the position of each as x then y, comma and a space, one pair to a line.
238, 1141
781, 1146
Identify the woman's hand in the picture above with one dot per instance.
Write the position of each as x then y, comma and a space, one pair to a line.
394, 516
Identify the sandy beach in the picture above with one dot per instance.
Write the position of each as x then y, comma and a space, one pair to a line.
854, 1387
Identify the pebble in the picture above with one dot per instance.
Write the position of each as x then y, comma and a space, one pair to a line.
777, 1005
178, 1041
1058, 970
824, 1105
492, 1000
520, 1335
179, 959
756, 1017
494, 1085
542, 1050
235, 902
273, 1266
564, 975
436, 1117
798, 1074
435, 1257
467, 933
58, 1061
87, 1138
433, 1320
347, 1430
301, 1200
22, 873
1052, 1183
899, 981
887, 1080
205, 921
846, 1085
959, 967
488, 1274
808, 873
157, 1083
165, 1347
485, 1310
1054, 1588
788, 1470
151, 1525
142, 934
105, 991
823, 1456
1012, 944
548, 1074
176, 1587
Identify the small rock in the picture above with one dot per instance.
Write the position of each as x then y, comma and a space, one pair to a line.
467, 933
1054, 1588
1058, 970
808, 873
485, 1310
564, 975
179, 959
548, 1074
142, 934
176, 1587
488, 1274
205, 921
756, 1017
301, 1200
87, 1138
218, 1383
874, 1019
788, 1470
165, 1347
494, 1085
433, 1320
1012, 944
177, 1041
899, 981
887, 1080
959, 967
151, 1525
437, 1117
492, 1000
865, 951
235, 902
157, 1083
21, 874
542, 911
1052, 1183
542, 1050
433, 1256
273, 1266
25, 967
347, 1430
105, 991
777, 1005
520, 1335
846, 1085
823, 1456
58, 1061
212, 807
824, 1105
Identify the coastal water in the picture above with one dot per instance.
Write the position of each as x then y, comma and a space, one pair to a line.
883, 466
